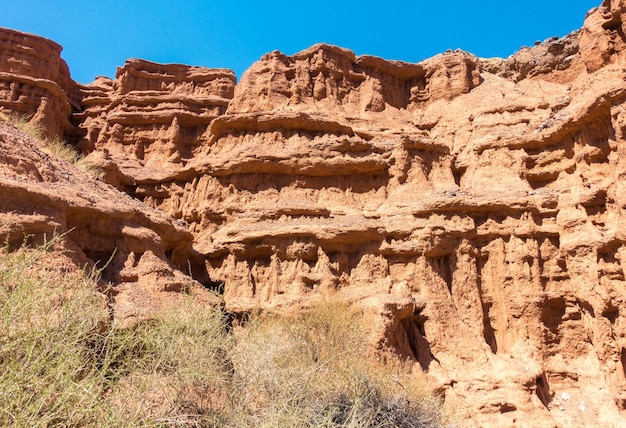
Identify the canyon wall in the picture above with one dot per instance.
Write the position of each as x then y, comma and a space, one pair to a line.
473, 208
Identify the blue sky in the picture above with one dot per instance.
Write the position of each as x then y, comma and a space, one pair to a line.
98, 36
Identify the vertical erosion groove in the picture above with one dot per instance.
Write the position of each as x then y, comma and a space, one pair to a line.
543, 390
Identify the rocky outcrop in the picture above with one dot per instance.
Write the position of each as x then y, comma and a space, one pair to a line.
140, 251
149, 121
552, 59
603, 37
35, 82
328, 76
473, 208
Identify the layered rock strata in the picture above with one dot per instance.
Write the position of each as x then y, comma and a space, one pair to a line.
148, 122
474, 208
35, 82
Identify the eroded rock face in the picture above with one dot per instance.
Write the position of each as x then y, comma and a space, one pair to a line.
474, 208
326, 76
603, 36
148, 122
495, 203
140, 251
35, 82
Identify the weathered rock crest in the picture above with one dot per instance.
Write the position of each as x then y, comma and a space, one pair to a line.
474, 208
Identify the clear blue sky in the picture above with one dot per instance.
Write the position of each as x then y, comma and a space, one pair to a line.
98, 36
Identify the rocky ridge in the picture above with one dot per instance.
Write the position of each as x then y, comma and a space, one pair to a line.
472, 207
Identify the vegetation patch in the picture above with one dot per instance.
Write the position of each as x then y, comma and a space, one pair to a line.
53, 146
63, 362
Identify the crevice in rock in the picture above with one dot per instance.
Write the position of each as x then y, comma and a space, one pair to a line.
543, 390
611, 313
596, 208
409, 327
623, 360
614, 26
102, 261
254, 285
458, 173
216, 286
488, 331
507, 407
442, 266
609, 265
586, 306
419, 346
539, 183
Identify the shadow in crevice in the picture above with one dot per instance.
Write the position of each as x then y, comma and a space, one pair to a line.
609, 262
552, 314
488, 331
419, 348
612, 314
543, 390
442, 266
457, 173
102, 261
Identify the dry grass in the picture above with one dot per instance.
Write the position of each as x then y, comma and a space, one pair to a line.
59, 148
313, 371
51, 369
64, 363
23, 124
53, 146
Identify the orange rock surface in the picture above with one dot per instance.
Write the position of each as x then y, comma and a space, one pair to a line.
473, 208
140, 250
35, 82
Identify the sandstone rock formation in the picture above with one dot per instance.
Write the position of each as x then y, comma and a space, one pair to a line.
35, 82
148, 122
474, 208
140, 251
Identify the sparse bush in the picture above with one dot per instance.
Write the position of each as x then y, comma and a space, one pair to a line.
59, 148
48, 320
63, 362
82, 164
365, 405
312, 371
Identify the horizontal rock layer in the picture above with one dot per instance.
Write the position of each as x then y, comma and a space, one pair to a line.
474, 208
